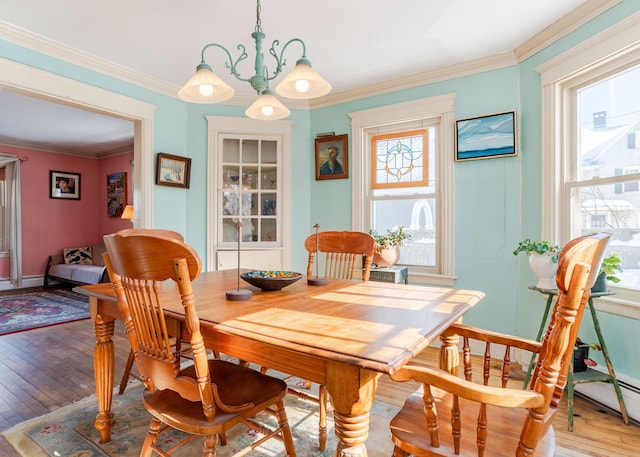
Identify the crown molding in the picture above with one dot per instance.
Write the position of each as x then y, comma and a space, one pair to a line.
418, 79
563, 26
66, 53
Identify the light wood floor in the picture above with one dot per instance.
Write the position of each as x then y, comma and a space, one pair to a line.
45, 369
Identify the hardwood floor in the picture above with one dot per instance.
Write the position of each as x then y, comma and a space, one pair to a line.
45, 369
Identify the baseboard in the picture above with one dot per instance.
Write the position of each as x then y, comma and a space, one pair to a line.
605, 394
31, 281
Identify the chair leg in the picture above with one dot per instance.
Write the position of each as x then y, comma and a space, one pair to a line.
210, 442
127, 372
150, 439
322, 429
285, 430
397, 452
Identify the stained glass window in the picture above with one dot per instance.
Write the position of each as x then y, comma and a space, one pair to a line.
401, 159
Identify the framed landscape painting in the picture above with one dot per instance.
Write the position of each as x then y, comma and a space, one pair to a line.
485, 137
172, 170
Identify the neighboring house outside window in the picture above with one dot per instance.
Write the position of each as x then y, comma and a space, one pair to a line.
401, 169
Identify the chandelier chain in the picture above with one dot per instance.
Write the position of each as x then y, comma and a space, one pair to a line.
258, 20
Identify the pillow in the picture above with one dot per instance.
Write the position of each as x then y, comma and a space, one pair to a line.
78, 256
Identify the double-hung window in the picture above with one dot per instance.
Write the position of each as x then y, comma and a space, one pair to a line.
591, 158
404, 173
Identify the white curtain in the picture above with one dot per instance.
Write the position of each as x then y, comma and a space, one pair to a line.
14, 216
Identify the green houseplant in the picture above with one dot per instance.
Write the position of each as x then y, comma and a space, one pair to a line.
387, 246
543, 260
539, 247
610, 265
389, 239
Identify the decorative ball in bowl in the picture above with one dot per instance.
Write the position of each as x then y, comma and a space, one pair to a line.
270, 279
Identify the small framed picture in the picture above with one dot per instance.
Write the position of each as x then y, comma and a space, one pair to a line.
485, 137
173, 171
64, 185
116, 193
332, 157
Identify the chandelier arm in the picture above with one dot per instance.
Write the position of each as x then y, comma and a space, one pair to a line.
280, 61
231, 65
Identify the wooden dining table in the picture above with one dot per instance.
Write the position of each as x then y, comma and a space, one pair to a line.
344, 334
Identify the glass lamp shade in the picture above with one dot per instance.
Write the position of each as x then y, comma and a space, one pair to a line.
267, 108
205, 87
303, 83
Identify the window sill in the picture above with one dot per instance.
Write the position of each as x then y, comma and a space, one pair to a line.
621, 304
4, 253
430, 279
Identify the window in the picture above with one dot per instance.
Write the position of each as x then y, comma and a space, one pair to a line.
591, 117
4, 227
403, 168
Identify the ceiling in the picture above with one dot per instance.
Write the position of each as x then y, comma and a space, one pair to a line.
351, 43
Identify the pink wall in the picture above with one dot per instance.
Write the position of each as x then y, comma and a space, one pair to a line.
49, 224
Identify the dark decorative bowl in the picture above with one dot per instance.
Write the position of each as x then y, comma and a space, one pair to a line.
271, 280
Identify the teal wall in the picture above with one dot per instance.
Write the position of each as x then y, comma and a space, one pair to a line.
497, 201
486, 190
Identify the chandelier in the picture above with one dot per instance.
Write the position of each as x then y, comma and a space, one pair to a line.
301, 83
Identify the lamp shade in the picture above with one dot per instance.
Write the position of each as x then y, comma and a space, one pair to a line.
127, 212
303, 83
267, 108
205, 87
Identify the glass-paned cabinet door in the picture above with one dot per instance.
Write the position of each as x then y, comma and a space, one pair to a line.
249, 191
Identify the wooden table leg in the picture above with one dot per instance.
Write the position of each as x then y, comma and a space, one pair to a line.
449, 354
352, 392
103, 368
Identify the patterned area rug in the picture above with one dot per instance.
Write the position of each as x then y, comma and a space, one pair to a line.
25, 310
70, 432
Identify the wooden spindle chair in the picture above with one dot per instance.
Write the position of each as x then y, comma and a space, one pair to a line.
177, 331
455, 416
345, 254
208, 397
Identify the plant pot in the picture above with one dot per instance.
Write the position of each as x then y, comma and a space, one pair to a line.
580, 353
545, 269
387, 257
601, 283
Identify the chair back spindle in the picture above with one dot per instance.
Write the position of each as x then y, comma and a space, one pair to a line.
344, 253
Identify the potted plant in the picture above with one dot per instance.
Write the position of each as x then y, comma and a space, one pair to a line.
610, 265
388, 246
543, 260
581, 360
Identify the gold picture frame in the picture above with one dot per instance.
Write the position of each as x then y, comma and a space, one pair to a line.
332, 157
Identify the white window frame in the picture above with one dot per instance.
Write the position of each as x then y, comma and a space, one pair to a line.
363, 125
4, 219
608, 52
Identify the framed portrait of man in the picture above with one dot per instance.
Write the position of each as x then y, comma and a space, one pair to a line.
332, 157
